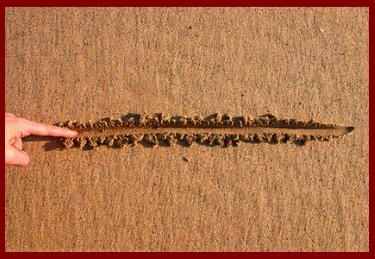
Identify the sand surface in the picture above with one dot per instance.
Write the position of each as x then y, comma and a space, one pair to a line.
85, 64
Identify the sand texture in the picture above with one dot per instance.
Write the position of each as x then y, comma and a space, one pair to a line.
168, 157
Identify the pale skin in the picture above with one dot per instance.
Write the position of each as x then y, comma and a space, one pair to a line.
17, 128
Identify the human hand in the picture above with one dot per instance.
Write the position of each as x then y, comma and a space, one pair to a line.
17, 128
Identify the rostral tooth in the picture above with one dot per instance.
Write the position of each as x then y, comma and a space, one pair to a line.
191, 121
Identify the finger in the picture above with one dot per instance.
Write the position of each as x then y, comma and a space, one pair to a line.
18, 144
10, 114
16, 157
41, 129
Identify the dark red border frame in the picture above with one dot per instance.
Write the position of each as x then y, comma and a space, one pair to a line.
191, 3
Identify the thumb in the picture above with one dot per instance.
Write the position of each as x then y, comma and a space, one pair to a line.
16, 157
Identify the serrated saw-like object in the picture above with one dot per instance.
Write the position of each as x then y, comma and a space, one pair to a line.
213, 130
